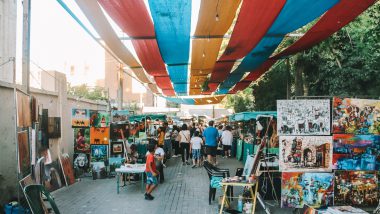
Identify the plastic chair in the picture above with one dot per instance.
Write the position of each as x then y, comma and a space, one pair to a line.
211, 172
33, 194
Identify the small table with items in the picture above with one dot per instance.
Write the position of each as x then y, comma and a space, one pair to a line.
231, 182
130, 169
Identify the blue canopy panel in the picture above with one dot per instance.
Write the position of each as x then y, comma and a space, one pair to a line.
187, 101
295, 14
172, 23
178, 76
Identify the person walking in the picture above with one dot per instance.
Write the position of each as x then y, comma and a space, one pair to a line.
195, 149
175, 139
227, 139
185, 144
151, 172
211, 136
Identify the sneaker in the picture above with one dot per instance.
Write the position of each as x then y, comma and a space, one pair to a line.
187, 163
151, 196
193, 166
175, 156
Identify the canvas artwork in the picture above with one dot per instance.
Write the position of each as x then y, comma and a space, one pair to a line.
82, 140
80, 118
99, 118
24, 118
99, 153
82, 161
23, 153
356, 152
67, 169
303, 117
120, 115
313, 189
356, 116
117, 148
99, 135
356, 188
305, 153
119, 131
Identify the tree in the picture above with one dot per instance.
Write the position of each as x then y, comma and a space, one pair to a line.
240, 102
83, 91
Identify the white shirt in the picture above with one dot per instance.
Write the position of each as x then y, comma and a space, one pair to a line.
185, 136
159, 151
227, 138
196, 142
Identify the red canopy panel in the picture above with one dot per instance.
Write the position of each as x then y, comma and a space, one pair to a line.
131, 15
336, 18
253, 76
133, 18
150, 57
163, 82
254, 20
168, 92
221, 71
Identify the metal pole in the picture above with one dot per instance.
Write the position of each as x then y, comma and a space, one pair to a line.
26, 45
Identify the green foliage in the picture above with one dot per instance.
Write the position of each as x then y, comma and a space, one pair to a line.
240, 102
83, 91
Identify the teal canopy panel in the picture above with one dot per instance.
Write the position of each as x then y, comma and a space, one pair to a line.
245, 116
295, 14
172, 23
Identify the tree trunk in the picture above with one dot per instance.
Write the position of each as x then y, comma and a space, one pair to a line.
298, 77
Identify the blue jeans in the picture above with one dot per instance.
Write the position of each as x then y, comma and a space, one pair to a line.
168, 148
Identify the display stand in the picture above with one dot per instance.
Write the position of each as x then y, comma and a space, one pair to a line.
253, 195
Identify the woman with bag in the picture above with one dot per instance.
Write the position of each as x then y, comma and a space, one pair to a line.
185, 144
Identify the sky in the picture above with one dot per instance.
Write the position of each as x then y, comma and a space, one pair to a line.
59, 43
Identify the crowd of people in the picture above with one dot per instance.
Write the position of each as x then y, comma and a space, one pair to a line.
194, 143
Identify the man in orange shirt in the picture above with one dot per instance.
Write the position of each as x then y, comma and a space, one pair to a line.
151, 172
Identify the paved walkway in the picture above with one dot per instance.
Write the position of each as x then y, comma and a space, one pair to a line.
185, 191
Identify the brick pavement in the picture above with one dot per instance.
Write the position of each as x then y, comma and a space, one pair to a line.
185, 191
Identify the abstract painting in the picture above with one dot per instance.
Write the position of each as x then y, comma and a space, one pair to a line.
356, 152
82, 140
119, 131
99, 153
356, 188
67, 169
313, 189
80, 118
99, 135
23, 153
99, 118
356, 116
305, 153
120, 115
23, 110
303, 117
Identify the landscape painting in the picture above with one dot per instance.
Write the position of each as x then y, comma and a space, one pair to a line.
313, 189
99, 118
99, 135
356, 188
303, 117
356, 152
305, 153
80, 118
120, 115
356, 116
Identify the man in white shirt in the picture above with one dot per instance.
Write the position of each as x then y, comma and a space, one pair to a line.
227, 139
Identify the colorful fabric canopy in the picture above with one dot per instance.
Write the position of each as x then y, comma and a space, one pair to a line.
134, 19
162, 41
172, 21
295, 14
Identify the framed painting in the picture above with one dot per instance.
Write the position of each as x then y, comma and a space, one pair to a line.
99, 153
303, 117
356, 116
99, 135
82, 140
356, 152
99, 118
307, 188
305, 154
80, 118
117, 148
356, 188
23, 148
120, 115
